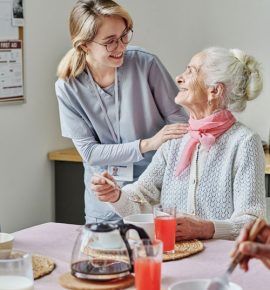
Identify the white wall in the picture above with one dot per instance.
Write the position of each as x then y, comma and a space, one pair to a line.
29, 131
174, 30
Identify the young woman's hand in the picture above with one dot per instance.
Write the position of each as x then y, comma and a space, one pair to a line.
168, 132
190, 227
105, 187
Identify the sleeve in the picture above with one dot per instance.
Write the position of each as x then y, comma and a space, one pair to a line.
71, 121
103, 154
148, 187
248, 189
165, 90
86, 141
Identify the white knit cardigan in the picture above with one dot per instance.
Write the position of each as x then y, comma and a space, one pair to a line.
231, 190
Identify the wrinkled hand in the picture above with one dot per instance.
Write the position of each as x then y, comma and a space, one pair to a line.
168, 132
105, 191
190, 227
259, 249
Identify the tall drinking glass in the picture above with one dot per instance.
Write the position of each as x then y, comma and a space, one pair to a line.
16, 272
165, 226
147, 264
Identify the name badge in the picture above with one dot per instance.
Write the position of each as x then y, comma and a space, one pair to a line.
121, 172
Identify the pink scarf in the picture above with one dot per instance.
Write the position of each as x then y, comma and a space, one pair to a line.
204, 131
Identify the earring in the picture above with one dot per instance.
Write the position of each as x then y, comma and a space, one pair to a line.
209, 102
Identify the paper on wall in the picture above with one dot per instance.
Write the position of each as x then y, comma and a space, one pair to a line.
11, 70
7, 30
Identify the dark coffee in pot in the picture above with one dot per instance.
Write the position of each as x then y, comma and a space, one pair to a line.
99, 267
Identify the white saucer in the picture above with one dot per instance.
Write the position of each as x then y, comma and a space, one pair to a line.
198, 284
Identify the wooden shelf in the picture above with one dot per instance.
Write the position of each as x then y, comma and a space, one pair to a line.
70, 154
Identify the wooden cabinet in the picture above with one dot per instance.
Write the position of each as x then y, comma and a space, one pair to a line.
69, 186
267, 173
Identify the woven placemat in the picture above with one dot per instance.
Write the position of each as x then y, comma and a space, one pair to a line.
181, 250
184, 249
68, 281
107, 254
41, 265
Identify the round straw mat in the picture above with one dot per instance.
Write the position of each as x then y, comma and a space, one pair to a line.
70, 282
181, 250
184, 249
41, 265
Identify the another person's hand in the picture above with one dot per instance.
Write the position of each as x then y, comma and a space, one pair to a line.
259, 249
105, 191
168, 132
191, 227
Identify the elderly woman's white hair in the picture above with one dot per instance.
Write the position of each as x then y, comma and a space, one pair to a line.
240, 73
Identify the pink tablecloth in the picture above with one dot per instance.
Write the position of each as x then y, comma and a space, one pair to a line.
56, 241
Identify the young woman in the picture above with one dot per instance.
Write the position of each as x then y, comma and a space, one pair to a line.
114, 100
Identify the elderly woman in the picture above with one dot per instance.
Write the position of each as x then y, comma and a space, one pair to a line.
214, 175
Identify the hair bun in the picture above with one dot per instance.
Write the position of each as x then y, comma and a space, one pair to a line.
254, 82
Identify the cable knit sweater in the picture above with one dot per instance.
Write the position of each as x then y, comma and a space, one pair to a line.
231, 189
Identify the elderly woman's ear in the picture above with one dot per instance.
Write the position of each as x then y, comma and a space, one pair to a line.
216, 94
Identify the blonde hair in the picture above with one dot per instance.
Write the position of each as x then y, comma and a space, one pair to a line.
240, 73
84, 22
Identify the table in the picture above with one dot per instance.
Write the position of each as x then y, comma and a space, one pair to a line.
56, 240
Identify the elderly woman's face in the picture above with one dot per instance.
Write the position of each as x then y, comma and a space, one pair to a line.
192, 90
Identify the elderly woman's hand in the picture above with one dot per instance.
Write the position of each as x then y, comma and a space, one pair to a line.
259, 249
191, 227
105, 187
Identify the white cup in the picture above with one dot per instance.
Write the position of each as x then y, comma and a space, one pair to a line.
143, 220
6, 244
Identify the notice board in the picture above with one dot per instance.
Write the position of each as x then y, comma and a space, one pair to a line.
11, 51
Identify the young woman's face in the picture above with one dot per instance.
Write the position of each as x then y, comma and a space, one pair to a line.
111, 30
193, 93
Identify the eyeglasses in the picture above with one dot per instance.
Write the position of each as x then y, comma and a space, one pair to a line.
112, 44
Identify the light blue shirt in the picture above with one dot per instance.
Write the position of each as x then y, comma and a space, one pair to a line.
146, 104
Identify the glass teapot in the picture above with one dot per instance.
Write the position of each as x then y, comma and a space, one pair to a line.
102, 251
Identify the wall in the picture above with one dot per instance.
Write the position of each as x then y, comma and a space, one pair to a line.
174, 31
29, 131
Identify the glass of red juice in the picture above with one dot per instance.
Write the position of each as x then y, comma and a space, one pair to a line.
165, 226
147, 256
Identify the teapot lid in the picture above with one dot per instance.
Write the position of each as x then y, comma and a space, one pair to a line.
101, 227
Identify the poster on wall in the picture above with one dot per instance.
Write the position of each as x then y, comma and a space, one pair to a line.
17, 13
7, 30
11, 71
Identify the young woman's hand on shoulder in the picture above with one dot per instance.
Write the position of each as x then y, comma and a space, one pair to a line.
168, 132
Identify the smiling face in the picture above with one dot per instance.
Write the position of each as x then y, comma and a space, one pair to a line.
111, 29
193, 93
